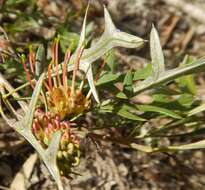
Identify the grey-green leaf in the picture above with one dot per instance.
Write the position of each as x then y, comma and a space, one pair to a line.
157, 56
196, 66
32, 106
50, 157
112, 37
24, 128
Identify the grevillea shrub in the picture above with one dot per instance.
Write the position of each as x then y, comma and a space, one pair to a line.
62, 92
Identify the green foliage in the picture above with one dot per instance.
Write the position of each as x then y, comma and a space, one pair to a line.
126, 112
177, 105
187, 82
107, 78
173, 106
68, 40
163, 111
111, 62
143, 73
128, 82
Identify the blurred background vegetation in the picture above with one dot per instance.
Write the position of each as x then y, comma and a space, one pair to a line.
24, 25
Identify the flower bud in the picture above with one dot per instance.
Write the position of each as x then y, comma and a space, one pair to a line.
63, 144
70, 148
68, 155
76, 161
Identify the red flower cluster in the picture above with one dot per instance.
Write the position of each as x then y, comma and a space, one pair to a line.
44, 126
62, 101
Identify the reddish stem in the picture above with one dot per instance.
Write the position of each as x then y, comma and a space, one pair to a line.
49, 77
56, 61
28, 77
66, 59
31, 60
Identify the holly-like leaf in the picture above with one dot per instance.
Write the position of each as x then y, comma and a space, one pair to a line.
112, 37
194, 67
